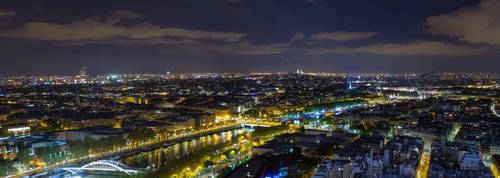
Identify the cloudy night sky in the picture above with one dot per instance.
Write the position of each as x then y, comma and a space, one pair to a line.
353, 36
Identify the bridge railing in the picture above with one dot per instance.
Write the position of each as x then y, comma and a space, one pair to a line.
103, 165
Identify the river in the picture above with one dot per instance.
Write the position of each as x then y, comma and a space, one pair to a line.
160, 157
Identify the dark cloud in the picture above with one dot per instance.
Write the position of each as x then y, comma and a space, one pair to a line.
342, 35
7, 13
125, 14
416, 48
298, 36
108, 28
480, 24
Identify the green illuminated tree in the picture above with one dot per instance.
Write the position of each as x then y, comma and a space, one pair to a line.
24, 156
7, 167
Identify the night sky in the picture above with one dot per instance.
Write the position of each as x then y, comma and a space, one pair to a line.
353, 36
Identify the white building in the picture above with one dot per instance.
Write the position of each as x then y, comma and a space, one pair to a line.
408, 169
471, 160
374, 167
324, 169
342, 169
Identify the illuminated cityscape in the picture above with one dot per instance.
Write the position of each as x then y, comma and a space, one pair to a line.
293, 124
250, 88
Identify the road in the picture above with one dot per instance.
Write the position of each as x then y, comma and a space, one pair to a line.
423, 167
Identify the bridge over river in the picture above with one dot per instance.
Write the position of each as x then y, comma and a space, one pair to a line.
494, 110
124, 152
103, 165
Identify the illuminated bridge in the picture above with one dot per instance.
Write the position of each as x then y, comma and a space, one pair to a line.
492, 108
103, 165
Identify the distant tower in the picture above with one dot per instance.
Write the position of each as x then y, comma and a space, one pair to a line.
82, 77
167, 72
77, 99
299, 71
350, 86
83, 72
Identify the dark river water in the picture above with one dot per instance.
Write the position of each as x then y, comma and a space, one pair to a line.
160, 157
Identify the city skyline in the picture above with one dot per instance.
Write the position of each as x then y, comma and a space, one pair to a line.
48, 38
250, 88
298, 71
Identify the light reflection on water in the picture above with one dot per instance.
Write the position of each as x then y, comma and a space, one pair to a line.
159, 157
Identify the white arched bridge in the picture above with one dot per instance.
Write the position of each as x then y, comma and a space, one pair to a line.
103, 165
492, 108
